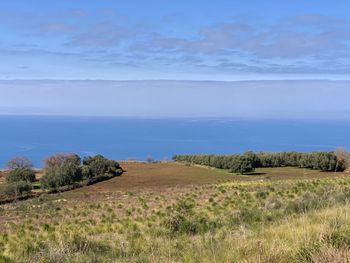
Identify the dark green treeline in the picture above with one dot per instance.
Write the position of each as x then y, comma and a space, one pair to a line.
247, 162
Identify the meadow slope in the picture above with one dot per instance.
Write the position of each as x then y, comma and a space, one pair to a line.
176, 213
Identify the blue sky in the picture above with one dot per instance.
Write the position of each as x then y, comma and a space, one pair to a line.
163, 39
224, 41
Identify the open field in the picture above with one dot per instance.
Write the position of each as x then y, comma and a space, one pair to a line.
157, 177
176, 213
160, 175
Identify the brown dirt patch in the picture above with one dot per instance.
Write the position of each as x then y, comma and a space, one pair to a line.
156, 177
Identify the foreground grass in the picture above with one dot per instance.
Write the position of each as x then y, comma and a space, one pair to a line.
253, 221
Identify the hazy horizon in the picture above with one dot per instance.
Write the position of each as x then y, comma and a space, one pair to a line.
303, 99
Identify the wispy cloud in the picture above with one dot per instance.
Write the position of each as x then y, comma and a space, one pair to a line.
306, 43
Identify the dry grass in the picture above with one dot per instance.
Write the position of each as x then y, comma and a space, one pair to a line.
175, 213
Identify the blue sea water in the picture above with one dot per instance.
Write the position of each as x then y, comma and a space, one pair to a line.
124, 138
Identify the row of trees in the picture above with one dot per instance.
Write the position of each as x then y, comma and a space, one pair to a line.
59, 170
247, 162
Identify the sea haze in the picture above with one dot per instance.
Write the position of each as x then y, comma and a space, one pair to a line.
131, 138
178, 99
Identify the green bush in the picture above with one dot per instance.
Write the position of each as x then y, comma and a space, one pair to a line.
99, 165
184, 220
242, 165
61, 170
15, 189
58, 176
20, 174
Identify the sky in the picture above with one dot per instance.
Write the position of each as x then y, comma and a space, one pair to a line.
70, 57
182, 39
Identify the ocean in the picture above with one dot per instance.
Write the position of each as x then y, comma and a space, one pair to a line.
135, 139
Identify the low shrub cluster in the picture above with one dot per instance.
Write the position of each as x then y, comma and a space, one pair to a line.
61, 172
99, 165
184, 220
16, 189
243, 163
67, 169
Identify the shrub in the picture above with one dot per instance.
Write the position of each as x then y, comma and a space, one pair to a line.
305, 203
99, 165
61, 170
15, 189
20, 174
184, 220
59, 176
242, 165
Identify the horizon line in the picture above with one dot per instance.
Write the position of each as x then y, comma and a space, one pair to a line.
180, 80
174, 117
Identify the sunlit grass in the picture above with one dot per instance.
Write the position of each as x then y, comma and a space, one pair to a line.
255, 221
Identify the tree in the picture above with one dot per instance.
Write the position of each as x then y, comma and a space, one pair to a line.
19, 177
325, 161
252, 158
19, 162
242, 165
58, 176
342, 159
59, 159
61, 169
20, 174
149, 159
20, 169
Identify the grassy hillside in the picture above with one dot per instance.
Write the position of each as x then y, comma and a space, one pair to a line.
176, 213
